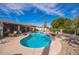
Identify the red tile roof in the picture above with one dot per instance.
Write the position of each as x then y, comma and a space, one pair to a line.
5, 21
29, 25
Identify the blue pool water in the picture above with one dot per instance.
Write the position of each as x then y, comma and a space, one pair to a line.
36, 40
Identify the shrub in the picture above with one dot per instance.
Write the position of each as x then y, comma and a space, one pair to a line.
69, 31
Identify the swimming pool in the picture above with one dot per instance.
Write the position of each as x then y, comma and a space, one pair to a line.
36, 40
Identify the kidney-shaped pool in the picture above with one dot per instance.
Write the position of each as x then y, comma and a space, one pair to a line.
36, 40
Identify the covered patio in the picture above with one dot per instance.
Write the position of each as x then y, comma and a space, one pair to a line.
8, 28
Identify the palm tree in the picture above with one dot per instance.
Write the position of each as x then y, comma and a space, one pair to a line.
76, 24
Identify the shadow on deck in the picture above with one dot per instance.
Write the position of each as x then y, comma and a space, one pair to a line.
46, 50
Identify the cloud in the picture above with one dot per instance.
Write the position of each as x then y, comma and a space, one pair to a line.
4, 9
19, 12
50, 9
17, 8
74, 12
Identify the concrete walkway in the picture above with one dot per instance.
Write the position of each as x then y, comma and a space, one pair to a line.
13, 47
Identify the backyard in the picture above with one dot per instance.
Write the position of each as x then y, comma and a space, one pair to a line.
39, 29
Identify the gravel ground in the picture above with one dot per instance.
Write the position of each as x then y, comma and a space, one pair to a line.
68, 49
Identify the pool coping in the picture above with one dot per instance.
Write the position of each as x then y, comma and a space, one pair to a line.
10, 48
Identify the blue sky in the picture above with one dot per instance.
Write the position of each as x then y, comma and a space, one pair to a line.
33, 13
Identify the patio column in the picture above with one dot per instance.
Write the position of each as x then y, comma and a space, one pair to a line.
18, 28
1, 30
30, 29
26, 29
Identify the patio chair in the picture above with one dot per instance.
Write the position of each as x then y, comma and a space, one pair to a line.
74, 42
3, 41
14, 34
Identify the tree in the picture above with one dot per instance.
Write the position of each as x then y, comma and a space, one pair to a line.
61, 23
76, 24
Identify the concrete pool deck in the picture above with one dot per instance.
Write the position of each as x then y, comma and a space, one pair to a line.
13, 47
